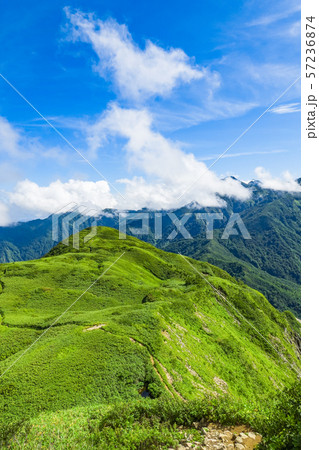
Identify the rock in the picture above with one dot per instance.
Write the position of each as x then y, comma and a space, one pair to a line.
252, 435
243, 435
211, 441
196, 425
228, 434
181, 447
218, 447
239, 440
222, 437
214, 433
230, 446
239, 446
205, 430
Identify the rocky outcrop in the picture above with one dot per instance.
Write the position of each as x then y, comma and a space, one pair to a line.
215, 437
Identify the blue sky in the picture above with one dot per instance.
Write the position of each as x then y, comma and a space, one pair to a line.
150, 93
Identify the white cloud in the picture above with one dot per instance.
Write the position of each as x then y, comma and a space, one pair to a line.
15, 144
171, 169
182, 114
9, 173
137, 73
10, 138
4, 215
260, 82
286, 183
139, 194
275, 75
286, 109
161, 193
42, 200
295, 29
275, 17
168, 171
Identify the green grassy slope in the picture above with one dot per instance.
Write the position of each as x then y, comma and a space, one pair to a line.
162, 327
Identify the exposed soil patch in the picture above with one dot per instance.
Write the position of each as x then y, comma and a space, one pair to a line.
95, 327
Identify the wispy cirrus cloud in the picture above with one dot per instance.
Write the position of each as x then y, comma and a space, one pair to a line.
15, 144
269, 19
294, 29
235, 155
287, 108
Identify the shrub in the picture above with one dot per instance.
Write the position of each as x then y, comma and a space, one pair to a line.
149, 298
282, 426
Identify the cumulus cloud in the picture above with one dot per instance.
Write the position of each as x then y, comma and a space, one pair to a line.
138, 73
161, 193
59, 196
168, 170
286, 183
168, 173
171, 169
4, 215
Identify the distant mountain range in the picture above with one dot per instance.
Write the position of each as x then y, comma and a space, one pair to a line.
268, 262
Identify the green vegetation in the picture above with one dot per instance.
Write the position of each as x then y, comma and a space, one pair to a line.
282, 427
159, 423
152, 323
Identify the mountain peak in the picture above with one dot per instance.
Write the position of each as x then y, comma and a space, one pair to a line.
193, 205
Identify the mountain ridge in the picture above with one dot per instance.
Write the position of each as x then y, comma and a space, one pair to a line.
105, 323
163, 284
